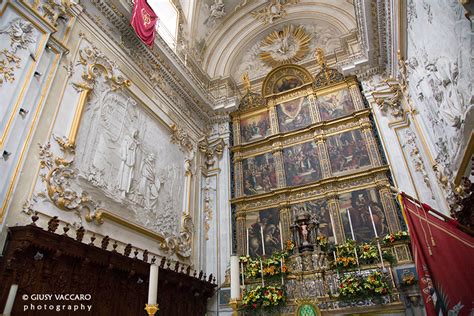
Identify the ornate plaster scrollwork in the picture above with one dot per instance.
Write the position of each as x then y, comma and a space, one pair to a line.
60, 173
55, 9
96, 63
276, 9
417, 159
389, 101
181, 244
212, 150
20, 33
181, 138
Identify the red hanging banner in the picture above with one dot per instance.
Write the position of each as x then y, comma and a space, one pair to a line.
143, 22
444, 259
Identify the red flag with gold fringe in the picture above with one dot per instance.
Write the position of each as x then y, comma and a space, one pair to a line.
444, 259
143, 21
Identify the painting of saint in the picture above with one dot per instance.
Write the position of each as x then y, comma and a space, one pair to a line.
263, 232
255, 127
335, 104
319, 211
347, 151
293, 115
357, 203
287, 83
259, 174
301, 164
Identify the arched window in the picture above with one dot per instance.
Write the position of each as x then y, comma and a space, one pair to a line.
167, 25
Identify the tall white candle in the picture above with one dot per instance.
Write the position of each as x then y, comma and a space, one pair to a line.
261, 271
263, 240
10, 300
332, 228
234, 277
350, 224
248, 245
373, 223
153, 284
281, 235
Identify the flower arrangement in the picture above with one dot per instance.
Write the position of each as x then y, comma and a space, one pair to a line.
323, 242
375, 284
368, 253
289, 245
350, 287
393, 237
346, 249
408, 279
345, 263
263, 297
353, 286
272, 266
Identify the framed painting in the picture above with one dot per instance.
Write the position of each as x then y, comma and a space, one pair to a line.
320, 212
301, 164
294, 114
255, 127
347, 151
286, 83
259, 174
263, 232
335, 104
354, 210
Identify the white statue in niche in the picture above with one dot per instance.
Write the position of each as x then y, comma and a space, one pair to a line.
128, 154
149, 185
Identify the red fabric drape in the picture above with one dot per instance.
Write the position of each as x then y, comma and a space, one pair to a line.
444, 257
143, 22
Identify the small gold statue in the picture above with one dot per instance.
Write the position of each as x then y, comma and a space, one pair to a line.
246, 81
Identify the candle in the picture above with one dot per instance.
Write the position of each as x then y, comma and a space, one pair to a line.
248, 245
332, 228
234, 277
153, 284
10, 300
281, 268
281, 235
335, 262
350, 224
373, 223
261, 271
263, 240
242, 272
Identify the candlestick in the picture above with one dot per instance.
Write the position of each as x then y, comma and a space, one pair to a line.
261, 271
281, 235
263, 240
234, 277
151, 309
281, 268
332, 228
376, 237
335, 262
10, 300
373, 222
153, 284
248, 245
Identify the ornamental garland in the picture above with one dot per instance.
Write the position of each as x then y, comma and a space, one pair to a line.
356, 286
272, 266
393, 237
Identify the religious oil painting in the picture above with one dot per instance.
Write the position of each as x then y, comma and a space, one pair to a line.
287, 83
301, 164
320, 213
356, 218
263, 232
347, 151
259, 174
335, 104
255, 127
294, 114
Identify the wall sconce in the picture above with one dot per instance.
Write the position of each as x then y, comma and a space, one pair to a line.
6, 154
38, 74
23, 112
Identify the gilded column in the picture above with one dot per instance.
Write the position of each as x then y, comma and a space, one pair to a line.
356, 96
238, 176
273, 119
285, 218
241, 234
336, 222
369, 138
279, 166
390, 208
315, 117
236, 131
323, 156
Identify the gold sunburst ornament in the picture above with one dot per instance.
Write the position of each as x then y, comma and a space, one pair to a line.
289, 45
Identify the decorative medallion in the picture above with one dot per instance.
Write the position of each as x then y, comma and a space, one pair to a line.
289, 45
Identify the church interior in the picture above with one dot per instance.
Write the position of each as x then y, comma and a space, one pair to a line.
236, 157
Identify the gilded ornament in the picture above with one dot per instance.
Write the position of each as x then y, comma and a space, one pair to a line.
289, 45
